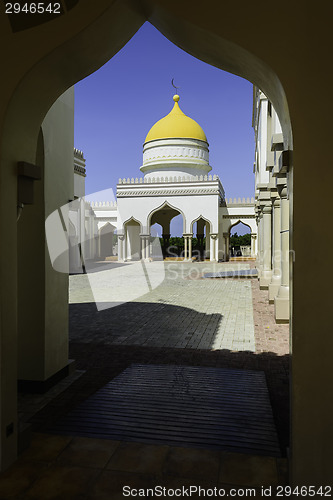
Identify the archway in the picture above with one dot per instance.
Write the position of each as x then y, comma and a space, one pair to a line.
105, 234
201, 229
131, 243
172, 246
62, 52
240, 244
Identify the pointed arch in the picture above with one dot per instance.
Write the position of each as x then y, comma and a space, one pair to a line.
203, 218
134, 220
160, 207
240, 221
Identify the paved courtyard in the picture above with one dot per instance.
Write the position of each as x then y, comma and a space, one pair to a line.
163, 304
61, 466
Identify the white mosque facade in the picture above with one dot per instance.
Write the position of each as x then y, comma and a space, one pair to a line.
177, 180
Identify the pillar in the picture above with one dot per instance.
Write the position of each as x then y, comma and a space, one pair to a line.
121, 253
200, 238
166, 244
281, 301
187, 246
266, 274
148, 247
226, 245
260, 240
275, 283
253, 244
207, 246
213, 249
145, 246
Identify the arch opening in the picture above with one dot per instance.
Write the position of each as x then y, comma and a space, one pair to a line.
240, 240
132, 227
169, 219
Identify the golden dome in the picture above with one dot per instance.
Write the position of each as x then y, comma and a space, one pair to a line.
176, 125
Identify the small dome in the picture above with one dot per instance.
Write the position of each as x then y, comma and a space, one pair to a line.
176, 125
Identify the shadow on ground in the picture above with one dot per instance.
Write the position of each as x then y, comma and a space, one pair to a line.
103, 362
154, 324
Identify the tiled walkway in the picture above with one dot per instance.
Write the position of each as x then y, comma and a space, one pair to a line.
66, 468
62, 467
183, 311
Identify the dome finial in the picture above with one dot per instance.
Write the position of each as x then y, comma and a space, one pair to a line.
175, 87
176, 97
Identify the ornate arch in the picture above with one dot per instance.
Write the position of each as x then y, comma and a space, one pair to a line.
165, 204
240, 221
203, 218
134, 220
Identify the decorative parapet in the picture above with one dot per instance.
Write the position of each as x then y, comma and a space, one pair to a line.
159, 180
78, 153
79, 163
80, 170
171, 186
240, 201
103, 204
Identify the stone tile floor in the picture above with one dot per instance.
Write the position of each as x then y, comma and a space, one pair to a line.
182, 311
64, 467
59, 467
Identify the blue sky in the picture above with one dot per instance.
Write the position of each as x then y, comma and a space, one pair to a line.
116, 106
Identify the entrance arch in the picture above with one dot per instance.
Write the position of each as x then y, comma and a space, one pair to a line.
243, 252
105, 234
80, 41
203, 231
163, 215
131, 242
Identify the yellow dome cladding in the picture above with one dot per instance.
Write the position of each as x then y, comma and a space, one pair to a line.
176, 124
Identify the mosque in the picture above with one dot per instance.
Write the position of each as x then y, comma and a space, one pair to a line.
53, 53
176, 181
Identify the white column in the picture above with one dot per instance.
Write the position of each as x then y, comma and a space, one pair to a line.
189, 247
213, 247
142, 246
147, 239
185, 247
260, 240
253, 244
281, 301
275, 283
226, 245
266, 274
121, 238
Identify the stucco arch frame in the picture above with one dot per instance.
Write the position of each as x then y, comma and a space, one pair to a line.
79, 43
240, 221
165, 204
104, 226
203, 218
134, 220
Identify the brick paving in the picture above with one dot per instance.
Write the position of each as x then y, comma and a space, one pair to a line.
181, 312
101, 360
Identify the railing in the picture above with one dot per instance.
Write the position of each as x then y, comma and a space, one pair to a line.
98, 204
239, 201
158, 180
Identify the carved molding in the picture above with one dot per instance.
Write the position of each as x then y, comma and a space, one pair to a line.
239, 216
168, 192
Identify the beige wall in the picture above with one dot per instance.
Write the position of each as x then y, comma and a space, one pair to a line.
272, 49
43, 292
58, 128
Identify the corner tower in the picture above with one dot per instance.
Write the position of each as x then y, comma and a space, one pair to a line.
176, 145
